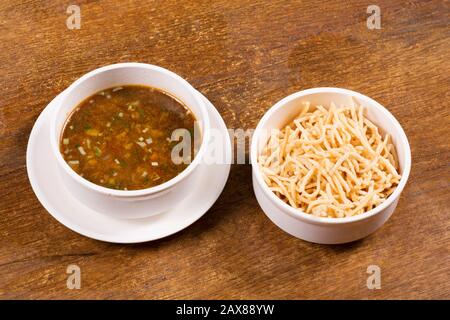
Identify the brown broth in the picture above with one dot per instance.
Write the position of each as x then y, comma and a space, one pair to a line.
119, 138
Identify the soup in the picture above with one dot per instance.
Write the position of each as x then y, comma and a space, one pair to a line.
121, 137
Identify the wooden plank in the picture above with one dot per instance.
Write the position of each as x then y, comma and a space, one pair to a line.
244, 56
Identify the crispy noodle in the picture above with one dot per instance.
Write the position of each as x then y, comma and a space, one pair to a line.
330, 163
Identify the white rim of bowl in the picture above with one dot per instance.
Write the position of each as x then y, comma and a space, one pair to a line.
296, 213
140, 192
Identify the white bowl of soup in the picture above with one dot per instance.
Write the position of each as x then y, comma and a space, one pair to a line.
329, 164
129, 139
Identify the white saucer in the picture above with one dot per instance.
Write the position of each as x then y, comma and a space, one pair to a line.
49, 189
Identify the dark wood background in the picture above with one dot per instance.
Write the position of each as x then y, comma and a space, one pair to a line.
244, 56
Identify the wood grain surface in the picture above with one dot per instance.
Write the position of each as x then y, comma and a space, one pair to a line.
244, 56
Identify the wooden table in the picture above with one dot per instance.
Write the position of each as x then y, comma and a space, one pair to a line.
244, 56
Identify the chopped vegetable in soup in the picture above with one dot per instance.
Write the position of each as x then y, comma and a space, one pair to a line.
120, 138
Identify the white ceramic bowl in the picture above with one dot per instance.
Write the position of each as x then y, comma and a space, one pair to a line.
134, 203
309, 227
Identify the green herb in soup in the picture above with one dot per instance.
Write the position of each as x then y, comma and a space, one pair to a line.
120, 138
